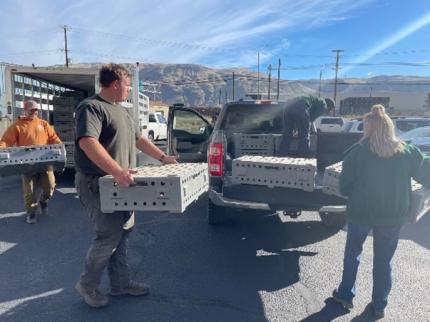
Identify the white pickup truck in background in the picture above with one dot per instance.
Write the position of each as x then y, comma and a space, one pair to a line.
157, 128
329, 123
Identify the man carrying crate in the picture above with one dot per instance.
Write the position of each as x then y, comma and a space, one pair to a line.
106, 142
28, 130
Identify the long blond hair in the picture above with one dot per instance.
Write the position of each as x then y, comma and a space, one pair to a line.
379, 130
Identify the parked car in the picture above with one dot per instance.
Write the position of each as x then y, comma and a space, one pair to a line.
329, 123
402, 124
419, 137
353, 126
157, 128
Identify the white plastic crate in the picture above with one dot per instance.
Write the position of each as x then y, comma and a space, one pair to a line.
170, 187
420, 196
420, 202
296, 173
70, 152
331, 179
35, 158
253, 144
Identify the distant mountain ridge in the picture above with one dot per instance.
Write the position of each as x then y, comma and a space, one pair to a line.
196, 85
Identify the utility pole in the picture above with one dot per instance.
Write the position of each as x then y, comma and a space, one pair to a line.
337, 51
233, 86
219, 98
270, 80
319, 86
258, 75
279, 76
65, 28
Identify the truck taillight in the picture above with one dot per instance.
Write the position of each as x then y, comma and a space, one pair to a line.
216, 159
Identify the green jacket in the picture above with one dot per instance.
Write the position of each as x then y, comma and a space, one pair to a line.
378, 189
316, 105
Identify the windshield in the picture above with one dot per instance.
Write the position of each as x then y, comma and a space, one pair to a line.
253, 118
161, 119
407, 125
417, 133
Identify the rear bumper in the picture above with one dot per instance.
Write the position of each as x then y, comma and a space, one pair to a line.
219, 200
265, 198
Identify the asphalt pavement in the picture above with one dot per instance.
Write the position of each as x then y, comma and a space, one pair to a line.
259, 267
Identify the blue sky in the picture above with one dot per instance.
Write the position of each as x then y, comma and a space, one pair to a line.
379, 37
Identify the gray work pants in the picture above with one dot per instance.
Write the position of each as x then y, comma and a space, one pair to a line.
109, 246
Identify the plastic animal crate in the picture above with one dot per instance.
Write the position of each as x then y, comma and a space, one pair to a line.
420, 196
253, 144
32, 159
331, 179
170, 187
420, 202
70, 152
298, 173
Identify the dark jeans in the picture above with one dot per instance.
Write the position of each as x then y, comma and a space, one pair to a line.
109, 247
385, 240
295, 117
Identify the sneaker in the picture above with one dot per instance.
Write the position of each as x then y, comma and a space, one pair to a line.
347, 305
134, 288
44, 208
92, 296
379, 314
31, 219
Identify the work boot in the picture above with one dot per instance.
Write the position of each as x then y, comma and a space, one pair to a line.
92, 296
31, 218
133, 288
44, 208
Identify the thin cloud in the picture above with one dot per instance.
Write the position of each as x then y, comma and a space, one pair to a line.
205, 24
393, 39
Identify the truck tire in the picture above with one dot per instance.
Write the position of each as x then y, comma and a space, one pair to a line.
216, 214
333, 219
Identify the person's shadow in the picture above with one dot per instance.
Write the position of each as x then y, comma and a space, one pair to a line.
329, 312
333, 310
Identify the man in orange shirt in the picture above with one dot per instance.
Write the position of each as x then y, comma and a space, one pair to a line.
29, 129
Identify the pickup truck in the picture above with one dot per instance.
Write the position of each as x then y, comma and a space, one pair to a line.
157, 127
194, 139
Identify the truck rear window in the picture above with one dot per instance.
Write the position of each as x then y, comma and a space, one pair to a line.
253, 118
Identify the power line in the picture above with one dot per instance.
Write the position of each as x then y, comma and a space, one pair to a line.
34, 52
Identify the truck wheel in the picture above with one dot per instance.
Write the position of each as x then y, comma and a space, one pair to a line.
333, 219
151, 136
216, 214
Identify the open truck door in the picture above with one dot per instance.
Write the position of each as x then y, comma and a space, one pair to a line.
188, 134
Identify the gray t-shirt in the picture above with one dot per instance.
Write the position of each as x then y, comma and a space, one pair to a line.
112, 125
